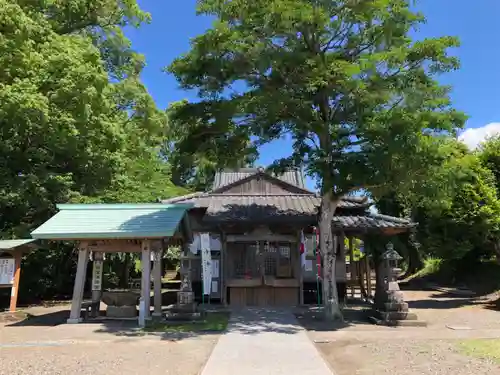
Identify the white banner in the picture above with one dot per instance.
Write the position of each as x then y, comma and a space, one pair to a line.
206, 263
7, 267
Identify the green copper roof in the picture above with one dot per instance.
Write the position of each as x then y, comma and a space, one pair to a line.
12, 244
112, 221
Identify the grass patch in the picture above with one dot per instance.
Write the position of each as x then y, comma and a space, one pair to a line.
482, 348
213, 322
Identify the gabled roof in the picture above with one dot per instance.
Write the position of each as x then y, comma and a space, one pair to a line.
229, 177
112, 221
308, 202
6, 245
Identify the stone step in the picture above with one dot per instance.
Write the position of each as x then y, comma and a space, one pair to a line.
182, 316
401, 306
395, 315
183, 308
398, 323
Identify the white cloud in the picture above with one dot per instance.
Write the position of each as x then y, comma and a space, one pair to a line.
474, 136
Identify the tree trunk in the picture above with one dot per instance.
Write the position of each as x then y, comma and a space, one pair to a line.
496, 247
379, 297
327, 248
414, 260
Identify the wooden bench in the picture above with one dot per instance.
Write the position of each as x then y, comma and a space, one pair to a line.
87, 306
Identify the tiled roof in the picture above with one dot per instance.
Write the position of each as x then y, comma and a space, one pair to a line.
228, 177
203, 200
264, 207
371, 220
112, 221
228, 207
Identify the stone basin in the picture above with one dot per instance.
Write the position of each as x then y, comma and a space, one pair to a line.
120, 297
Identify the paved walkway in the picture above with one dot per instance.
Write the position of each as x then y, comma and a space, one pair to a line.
265, 341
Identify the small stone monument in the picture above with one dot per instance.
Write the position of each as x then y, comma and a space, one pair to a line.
392, 310
186, 307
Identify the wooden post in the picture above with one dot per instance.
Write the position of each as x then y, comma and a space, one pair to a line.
157, 282
97, 268
146, 277
368, 277
225, 268
17, 275
352, 266
81, 270
222, 262
301, 271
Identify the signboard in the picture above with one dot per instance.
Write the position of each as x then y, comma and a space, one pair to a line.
215, 268
97, 275
206, 263
7, 267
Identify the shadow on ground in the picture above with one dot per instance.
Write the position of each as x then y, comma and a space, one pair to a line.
253, 321
313, 319
51, 319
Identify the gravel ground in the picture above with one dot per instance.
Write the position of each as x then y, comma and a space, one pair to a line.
358, 348
405, 357
137, 356
46, 345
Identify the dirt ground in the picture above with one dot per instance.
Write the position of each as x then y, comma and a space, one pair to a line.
359, 348
45, 345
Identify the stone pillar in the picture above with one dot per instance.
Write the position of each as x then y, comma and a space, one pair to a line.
146, 276
158, 255
97, 268
17, 275
81, 270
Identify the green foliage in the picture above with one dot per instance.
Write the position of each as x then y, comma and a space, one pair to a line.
76, 122
195, 149
431, 266
458, 211
343, 78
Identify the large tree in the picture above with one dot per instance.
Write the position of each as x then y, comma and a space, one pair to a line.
76, 123
343, 77
193, 155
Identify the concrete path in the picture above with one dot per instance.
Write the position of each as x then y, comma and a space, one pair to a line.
265, 341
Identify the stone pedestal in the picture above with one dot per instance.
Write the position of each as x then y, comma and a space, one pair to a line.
120, 303
391, 309
186, 308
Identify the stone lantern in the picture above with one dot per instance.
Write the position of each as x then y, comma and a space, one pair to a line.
391, 259
392, 310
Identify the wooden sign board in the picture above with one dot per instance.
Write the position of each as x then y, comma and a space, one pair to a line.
7, 268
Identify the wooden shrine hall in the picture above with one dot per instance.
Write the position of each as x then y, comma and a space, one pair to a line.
255, 221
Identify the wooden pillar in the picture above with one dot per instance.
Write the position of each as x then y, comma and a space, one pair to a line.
352, 266
225, 267
222, 278
157, 281
146, 277
97, 268
368, 277
81, 271
301, 271
17, 275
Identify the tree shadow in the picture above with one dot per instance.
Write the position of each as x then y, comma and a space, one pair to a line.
454, 303
51, 319
254, 321
312, 318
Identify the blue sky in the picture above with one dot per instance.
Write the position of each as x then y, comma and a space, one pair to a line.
476, 86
